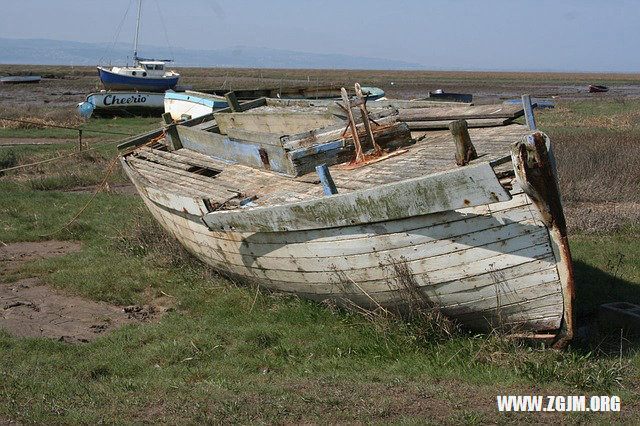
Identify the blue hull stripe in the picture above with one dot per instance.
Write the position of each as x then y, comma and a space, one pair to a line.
112, 79
213, 103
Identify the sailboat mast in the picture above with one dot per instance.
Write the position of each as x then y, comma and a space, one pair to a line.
135, 43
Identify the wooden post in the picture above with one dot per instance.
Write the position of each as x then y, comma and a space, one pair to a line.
172, 133
528, 112
365, 119
80, 139
326, 180
352, 123
232, 100
166, 118
465, 151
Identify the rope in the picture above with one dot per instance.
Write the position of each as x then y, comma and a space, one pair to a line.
65, 127
103, 183
115, 40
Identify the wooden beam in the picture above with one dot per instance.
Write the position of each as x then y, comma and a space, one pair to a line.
528, 112
472, 123
166, 118
470, 186
465, 151
232, 100
326, 180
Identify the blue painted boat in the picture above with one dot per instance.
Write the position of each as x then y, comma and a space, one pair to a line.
139, 77
146, 75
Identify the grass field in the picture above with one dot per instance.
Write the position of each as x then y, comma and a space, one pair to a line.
228, 353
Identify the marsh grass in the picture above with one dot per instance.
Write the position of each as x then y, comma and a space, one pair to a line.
36, 122
597, 147
36, 116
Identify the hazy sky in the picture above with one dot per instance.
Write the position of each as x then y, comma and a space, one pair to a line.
563, 35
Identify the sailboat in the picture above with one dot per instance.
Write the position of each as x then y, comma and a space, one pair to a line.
147, 74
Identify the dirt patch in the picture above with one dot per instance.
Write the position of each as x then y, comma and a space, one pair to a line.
16, 254
28, 308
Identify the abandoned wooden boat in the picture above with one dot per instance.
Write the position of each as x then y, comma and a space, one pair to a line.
385, 224
598, 89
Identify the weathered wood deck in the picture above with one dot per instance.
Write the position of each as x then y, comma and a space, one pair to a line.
199, 175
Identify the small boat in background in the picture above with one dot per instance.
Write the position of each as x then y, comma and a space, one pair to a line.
108, 104
20, 79
598, 89
455, 97
147, 74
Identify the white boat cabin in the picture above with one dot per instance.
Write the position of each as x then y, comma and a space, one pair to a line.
150, 69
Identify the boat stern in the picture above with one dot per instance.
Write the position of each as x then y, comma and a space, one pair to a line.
535, 169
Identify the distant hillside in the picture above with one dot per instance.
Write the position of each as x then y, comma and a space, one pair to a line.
56, 52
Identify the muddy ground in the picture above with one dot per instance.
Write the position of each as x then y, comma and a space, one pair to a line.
29, 308
66, 86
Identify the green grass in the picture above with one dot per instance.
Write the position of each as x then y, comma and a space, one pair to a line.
592, 118
93, 128
228, 353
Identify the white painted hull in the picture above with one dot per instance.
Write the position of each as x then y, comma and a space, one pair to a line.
178, 108
485, 266
114, 103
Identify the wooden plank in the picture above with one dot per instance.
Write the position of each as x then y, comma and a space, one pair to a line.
283, 122
444, 124
150, 154
471, 186
376, 252
407, 104
245, 106
461, 113
326, 180
255, 137
177, 202
331, 133
174, 181
179, 157
266, 157
469, 262
232, 101
413, 230
528, 112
